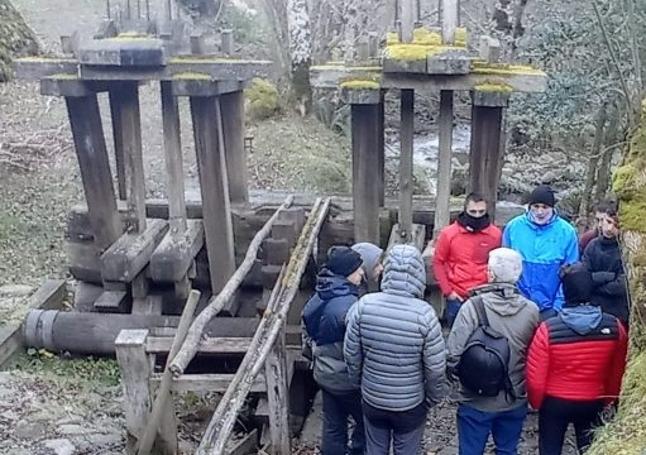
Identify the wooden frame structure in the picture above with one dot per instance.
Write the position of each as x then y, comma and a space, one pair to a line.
424, 58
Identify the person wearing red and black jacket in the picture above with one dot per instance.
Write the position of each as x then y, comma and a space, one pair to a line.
462, 253
575, 363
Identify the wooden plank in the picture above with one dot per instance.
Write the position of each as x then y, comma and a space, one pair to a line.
208, 345
128, 256
135, 367
84, 261
119, 153
247, 445
443, 188
87, 130
365, 187
278, 397
173, 158
123, 53
129, 129
192, 85
232, 109
218, 227
381, 118
406, 164
210, 382
486, 154
111, 302
50, 295
173, 257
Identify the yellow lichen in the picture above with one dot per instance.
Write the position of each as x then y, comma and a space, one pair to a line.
430, 37
360, 84
206, 59
64, 76
61, 60
492, 86
414, 52
503, 69
191, 76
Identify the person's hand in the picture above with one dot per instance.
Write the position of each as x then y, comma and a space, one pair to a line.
429, 250
454, 296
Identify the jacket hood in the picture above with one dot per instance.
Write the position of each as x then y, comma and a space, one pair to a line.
404, 272
370, 255
329, 285
582, 319
502, 298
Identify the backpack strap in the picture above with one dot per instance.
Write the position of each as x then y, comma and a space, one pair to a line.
478, 304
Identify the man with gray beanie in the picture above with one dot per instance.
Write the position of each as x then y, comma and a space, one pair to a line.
372, 267
496, 311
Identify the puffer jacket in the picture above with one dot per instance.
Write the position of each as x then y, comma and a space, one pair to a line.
393, 344
324, 322
509, 314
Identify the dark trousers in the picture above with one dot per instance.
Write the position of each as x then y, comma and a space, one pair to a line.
337, 407
451, 311
403, 429
556, 415
474, 427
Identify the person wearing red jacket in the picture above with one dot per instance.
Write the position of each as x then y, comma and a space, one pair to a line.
462, 252
575, 363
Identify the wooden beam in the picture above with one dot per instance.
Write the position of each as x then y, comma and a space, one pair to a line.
135, 367
50, 295
278, 397
443, 187
218, 227
407, 127
381, 149
207, 345
173, 257
365, 166
450, 11
247, 445
128, 256
173, 158
119, 153
486, 154
232, 109
203, 383
87, 130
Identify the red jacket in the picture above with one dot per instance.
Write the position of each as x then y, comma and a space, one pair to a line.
461, 256
566, 364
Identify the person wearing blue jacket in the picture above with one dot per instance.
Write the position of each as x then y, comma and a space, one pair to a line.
546, 242
337, 290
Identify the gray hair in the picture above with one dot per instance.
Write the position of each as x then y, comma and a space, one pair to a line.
505, 265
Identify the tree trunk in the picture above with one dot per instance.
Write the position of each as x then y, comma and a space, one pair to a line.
503, 16
603, 173
300, 50
277, 17
593, 160
16, 38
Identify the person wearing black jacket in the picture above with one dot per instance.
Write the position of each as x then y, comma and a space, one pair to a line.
603, 258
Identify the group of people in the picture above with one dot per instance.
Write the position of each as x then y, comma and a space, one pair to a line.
535, 317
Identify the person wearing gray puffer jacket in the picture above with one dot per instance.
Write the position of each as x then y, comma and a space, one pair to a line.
394, 348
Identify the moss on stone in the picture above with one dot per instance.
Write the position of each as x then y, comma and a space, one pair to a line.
360, 84
429, 37
494, 87
16, 39
262, 98
504, 69
188, 75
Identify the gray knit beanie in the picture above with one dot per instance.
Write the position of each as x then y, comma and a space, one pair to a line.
505, 265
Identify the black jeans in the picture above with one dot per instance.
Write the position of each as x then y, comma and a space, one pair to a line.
337, 407
556, 415
404, 430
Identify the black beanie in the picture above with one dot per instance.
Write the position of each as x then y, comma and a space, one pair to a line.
542, 194
342, 260
577, 284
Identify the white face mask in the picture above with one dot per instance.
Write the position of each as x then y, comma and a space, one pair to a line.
541, 214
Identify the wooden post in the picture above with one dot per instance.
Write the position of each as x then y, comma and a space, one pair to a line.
406, 164
198, 46
119, 157
218, 227
443, 189
449, 20
87, 130
136, 369
232, 109
173, 155
485, 158
381, 150
277, 396
226, 41
365, 168
407, 20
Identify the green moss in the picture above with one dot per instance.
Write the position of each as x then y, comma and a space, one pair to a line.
65, 77
202, 59
494, 87
429, 37
191, 76
413, 52
262, 97
632, 212
503, 69
46, 60
360, 84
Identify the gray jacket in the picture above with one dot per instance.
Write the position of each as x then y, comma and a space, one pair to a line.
393, 342
513, 316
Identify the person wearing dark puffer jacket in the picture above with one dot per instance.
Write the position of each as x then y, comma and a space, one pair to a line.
337, 290
603, 258
575, 364
394, 347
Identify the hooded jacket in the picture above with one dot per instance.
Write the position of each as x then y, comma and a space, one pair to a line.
603, 258
324, 323
580, 354
370, 255
460, 258
509, 314
544, 248
394, 345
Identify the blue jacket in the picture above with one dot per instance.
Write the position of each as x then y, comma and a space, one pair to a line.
324, 320
544, 248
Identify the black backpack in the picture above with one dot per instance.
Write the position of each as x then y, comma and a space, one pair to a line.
483, 368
